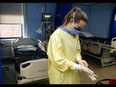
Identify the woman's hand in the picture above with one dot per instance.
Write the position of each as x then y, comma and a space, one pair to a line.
83, 62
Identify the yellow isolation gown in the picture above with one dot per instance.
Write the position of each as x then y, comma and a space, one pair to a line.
63, 48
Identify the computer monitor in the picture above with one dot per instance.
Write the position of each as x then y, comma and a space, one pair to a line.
47, 17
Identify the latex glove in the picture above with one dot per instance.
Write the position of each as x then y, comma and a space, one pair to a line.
89, 72
82, 68
80, 61
83, 62
92, 76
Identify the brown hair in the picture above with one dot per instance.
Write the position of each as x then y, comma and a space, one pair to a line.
77, 14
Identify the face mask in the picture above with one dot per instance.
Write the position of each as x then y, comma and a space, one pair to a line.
74, 31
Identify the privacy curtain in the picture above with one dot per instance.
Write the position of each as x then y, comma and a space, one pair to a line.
112, 32
61, 10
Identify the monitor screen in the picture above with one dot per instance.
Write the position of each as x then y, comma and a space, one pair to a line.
9, 30
47, 16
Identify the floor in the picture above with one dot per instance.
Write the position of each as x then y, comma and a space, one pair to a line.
107, 72
9, 76
8, 72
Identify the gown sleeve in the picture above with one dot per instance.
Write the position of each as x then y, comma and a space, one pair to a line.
78, 54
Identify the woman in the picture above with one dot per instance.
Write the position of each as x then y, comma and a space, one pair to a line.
64, 53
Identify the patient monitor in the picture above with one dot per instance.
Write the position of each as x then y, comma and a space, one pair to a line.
47, 17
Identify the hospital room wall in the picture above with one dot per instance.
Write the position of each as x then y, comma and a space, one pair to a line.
100, 18
33, 13
86, 9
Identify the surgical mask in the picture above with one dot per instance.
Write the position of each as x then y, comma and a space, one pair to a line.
73, 30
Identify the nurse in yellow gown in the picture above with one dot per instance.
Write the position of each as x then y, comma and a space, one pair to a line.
64, 50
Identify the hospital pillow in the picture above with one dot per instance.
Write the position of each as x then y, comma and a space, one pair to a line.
25, 46
27, 49
86, 34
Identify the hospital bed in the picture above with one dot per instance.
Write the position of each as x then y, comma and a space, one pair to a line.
30, 61
100, 48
